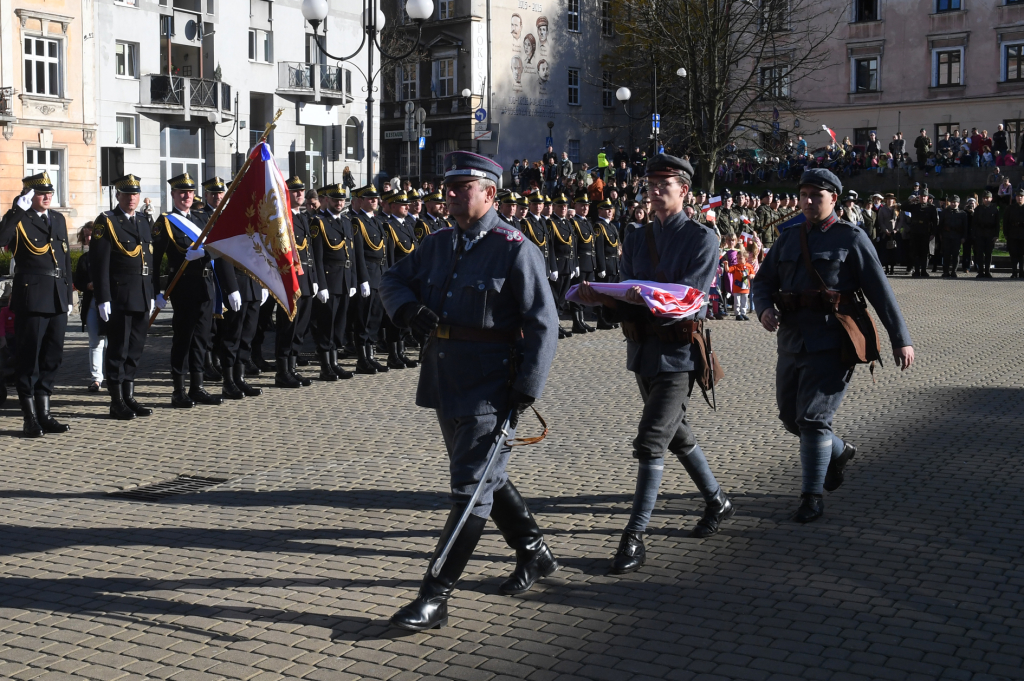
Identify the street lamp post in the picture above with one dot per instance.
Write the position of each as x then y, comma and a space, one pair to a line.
623, 94
315, 11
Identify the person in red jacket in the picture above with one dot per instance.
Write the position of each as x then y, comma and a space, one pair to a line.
742, 274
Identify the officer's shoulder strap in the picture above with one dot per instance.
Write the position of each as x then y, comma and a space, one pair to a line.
510, 233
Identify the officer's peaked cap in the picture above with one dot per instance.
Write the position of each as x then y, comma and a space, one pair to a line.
822, 178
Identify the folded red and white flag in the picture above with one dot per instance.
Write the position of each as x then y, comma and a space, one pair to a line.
674, 301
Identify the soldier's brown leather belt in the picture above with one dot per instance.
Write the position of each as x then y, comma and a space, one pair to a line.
466, 333
791, 301
679, 332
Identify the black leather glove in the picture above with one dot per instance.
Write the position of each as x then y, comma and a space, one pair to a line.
419, 318
517, 404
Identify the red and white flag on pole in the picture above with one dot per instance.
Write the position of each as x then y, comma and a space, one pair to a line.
830, 132
715, 202
254, 231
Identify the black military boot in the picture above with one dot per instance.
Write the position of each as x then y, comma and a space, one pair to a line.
602, 324
179, 398
210, 371
303, 381
394, 361
341, 373
583, 322
238, 373
516, 524
326, 372
837, 467
197, 393
230, 391
128, 395
430, 609
631, 554
381, 368
577, 322
284, 378
31, 428
49, 424
251, 369
363, 365
718, 509
118, 409
811, 508
411, 363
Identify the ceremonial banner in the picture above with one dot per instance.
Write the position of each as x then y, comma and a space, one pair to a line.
255, 233
673, 301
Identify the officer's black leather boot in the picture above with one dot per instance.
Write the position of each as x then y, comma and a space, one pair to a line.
577, 322
197, 393
210, 372
229, 390
284, 378
303, 381
631, 554
238, 374
257, 358
718, 509
381, 368
837, 467
602, 324
583, 321
363, 365
336, 368
516, 524
251, 369
394, 361
430, 609
128, 395
326, 372
411, 363
31, 428
179, 398
811, 508
118, 409
49, 424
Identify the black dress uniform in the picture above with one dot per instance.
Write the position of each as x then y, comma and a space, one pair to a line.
41, 301
371, 238
401, 242
292, 332
121, 266
563, 256
339, 269
586, 259
428, 223
606, 250
923, 225
953, 225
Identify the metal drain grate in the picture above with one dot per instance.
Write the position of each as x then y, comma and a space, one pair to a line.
183, 484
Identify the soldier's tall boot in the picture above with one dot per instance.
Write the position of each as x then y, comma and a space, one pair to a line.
394, 361
118, 409
430, 609
409, 362
381, 368
31, 427
238, 374
179, 398
601, 323
49, 424
326, 372
363, 365
229, 390
332, 356
284, 378
577, 322
128, 395
303, 381
210, 372
516, 524
197, 393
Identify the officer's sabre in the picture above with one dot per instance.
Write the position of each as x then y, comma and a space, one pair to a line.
711, 367
492, 458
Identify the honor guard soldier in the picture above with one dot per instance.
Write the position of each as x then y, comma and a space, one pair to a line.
193, 296
586, 256
41, 299
401, 242
984, 232
415, 207
507, 206
489, 357
563, 254
953, 226
371, 238
662, 354
522, 207
607, 252
811, 375
292, 332
121, 264
922, 226
535, 228
339, 269
1013, 230
430, 220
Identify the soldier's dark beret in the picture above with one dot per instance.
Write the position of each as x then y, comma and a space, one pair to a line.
726, 194
664, 163
766, 194
822, 178
986, 194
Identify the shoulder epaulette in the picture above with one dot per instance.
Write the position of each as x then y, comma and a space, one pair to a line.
510, 233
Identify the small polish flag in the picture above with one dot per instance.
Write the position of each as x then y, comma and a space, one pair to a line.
830, 132
715, 202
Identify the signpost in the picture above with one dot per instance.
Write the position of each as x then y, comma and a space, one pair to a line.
480, 115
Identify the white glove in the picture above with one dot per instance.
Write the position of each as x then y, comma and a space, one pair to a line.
161, 302
364, 289
316, 287
553, 276
152, 304
351, 292
25, 202
601, 274
264, 294
195, 253
71, 308
577, 273
323, 295
104, 310
235, 301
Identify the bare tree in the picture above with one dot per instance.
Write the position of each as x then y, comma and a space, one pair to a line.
742, 60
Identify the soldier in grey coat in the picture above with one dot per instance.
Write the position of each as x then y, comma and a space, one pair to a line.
480, 294
811, 377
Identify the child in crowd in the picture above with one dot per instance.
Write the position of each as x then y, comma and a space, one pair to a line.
727, 260
742, 274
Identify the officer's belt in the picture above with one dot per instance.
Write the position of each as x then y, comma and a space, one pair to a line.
467, 333
206, 271
46, 272
142, 270
791, 301
679, 332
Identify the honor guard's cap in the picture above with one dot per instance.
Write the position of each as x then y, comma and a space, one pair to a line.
465, 165
547, 200
414, 195
367, 192
435, 197
822, 179
510, 199
665, 163
581, 198
559, 200
183, 181
522, 201
295, 183
40, 183
215, 184
129, 184
956, 199
386, 198
400, 198
607, 203
332, 191
537, 197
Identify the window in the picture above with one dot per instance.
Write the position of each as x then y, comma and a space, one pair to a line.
181, 151
348, 82
947, 5
50, 162
406, 81
775, 14
863, 135
775, 81
947, 68
42, 67
573, 16
607, 25
865, 10
1014, 129
446, 9
444, 70
126, 59
441, 149
352, 139
127, 3
866, 75
942, 128
1014, 56
126, 126
261, 46
210, 6
574, 151
166, 26
607, 94
574, 86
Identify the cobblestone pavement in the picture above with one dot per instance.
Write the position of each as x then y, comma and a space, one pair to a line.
335, 494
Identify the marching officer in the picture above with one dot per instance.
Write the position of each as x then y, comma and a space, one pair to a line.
811, 375
953, 226
292, 332
371, 239
431, 219
401, 242
607, 252
41, 299
586, 256
121, 258
486, 286
563, 254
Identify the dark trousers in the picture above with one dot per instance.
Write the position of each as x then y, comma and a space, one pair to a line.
561, 287
584, 276
950, 254
1016, 249
192, 325
966, 257
329, 332
983, 253
266, 320
39, 351
468, 440
919, 252
369, 314
237, 330
809, 387
126, 338
394, 333
292, 332
663, 425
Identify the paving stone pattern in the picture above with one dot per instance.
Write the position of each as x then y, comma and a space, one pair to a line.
336, 493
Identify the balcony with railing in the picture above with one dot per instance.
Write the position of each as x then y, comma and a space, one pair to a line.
319, 82
6, 104
184, 96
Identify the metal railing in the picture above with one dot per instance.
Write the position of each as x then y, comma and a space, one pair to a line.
176, 91
297, 75
204, 92
166, 90
6, 101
